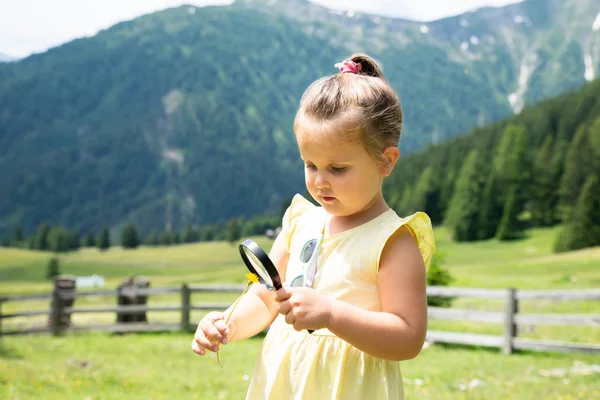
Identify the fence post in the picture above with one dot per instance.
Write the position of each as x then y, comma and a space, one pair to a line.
510, 328
56, 313
185, 307
1, 302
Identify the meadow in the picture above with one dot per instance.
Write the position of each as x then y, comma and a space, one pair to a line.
161, 365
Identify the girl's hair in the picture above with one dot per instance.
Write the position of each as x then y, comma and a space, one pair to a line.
360, 104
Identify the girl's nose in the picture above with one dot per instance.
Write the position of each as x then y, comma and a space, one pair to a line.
321, 181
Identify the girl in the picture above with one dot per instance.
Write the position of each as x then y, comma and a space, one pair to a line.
355, 270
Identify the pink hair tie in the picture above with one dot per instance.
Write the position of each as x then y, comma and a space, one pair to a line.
349, 66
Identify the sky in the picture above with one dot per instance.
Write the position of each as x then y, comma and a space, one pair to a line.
33, 26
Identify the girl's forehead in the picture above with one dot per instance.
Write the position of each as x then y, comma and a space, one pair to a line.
329, 147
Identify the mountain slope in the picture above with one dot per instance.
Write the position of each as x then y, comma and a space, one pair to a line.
185, 116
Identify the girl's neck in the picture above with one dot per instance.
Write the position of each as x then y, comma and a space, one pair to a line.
336, 224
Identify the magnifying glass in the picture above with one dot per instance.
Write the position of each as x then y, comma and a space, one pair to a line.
259, 263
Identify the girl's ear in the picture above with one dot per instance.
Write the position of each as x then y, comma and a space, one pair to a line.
390, 158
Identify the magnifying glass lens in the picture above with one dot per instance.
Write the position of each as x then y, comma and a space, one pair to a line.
259, 269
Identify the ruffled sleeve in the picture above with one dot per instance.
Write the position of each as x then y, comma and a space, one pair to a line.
289, 223
419, 224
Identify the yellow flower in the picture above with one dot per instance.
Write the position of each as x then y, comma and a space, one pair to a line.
252, 278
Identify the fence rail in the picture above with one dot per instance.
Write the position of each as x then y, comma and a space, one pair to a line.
61, 307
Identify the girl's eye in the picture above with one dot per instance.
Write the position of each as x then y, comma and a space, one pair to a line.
310, 166
338, 169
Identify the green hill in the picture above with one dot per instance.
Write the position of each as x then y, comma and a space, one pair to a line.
185, 116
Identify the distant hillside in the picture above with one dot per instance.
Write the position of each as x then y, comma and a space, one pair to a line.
185, 116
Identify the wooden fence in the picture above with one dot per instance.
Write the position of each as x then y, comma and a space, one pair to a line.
510, 318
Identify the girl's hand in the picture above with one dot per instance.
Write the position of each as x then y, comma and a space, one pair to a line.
210, 333
304, 308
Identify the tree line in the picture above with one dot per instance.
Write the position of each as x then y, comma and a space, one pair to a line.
59, 239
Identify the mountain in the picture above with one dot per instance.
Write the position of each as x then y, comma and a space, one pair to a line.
185, 115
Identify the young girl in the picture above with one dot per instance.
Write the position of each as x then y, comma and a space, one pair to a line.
355, 270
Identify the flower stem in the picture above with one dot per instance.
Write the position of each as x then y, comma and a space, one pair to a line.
232, 309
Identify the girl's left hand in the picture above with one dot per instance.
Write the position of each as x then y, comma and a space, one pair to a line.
304, 308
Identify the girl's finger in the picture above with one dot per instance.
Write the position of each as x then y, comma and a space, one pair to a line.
213, 334
282, 294
284, 307
197, 349
223, 330
290, 318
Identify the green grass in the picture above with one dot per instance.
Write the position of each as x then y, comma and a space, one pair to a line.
98, 366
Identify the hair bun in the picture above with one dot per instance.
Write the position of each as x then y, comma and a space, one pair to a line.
368, 65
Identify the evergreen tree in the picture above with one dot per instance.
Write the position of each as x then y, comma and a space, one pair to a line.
545, 191
18, 235
152, 239
58, 239
190, 235
104, 239
510, 227
42, 236
52, 268
129, 237
582, 229
234, 230
594, 139
517, 177
166, 238
463, 212
74, 241
491, 208
90, 240
577, 167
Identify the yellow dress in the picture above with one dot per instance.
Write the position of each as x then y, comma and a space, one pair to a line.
298, 365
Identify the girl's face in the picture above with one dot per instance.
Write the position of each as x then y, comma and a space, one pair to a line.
341, 176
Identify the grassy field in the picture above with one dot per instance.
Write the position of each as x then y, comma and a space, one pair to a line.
101, 366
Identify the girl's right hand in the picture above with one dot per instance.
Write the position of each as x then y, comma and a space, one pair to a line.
210, 333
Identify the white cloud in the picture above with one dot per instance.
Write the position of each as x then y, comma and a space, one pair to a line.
28, 26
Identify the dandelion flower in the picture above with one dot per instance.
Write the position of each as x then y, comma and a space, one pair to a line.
252, 278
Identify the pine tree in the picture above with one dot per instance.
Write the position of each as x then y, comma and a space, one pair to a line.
90, 240
166, 238
491, 208
74, 241
41, 242
52, 268
234, 230
577, 167
58, 239
104, 239
18, 235
189, 235
583, 227
463, 212
129, 237
547, 176
510, 227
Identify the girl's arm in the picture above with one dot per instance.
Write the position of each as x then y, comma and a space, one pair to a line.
399, 330
257, 309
